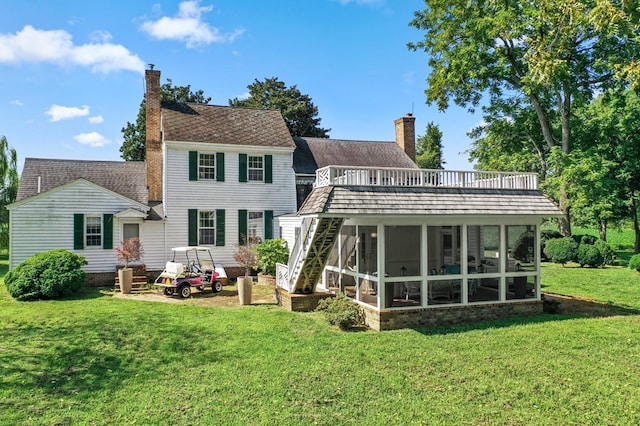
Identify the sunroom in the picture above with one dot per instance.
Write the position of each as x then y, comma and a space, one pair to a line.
422, 247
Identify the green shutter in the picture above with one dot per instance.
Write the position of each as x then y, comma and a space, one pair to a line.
243, 225
242, 171
268, 224
193, 165
78, 231
220, 166
193, 227
107, 231
220, 228
268, 169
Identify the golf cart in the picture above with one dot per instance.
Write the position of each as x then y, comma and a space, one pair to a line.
191, 267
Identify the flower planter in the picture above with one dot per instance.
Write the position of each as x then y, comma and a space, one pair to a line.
125, 277
245, 287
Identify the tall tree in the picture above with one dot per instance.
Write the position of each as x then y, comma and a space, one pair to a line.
298, 111
429, 148
134, 134
8, 187
548, 53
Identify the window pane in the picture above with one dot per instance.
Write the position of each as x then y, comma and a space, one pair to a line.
402, 250
255, 168
130, 230
483, 249
521, 252
207, 229
207, 169
256, 225
444, 249
93, 231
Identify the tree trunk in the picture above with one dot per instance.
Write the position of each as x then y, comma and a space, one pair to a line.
602, 229
564, 223
636, 227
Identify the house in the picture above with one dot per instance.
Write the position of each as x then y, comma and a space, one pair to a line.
212, 174
419, 247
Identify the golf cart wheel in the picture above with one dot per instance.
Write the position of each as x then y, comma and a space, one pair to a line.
168, 291
216, 286
185, 291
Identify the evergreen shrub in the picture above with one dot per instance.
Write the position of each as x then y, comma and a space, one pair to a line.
561, 250
47, 275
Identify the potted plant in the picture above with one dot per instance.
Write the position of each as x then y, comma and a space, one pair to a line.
270, 253
246, 257
129, 250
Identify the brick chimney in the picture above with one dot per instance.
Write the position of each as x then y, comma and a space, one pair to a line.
154, 136
406, 135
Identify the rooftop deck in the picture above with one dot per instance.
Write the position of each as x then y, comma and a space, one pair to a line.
380, 176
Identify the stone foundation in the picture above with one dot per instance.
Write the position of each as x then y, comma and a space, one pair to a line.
389, 319
392, 319
299, 302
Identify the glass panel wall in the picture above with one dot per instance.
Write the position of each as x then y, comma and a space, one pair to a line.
368, 264
444, 250
483, 256
403, 267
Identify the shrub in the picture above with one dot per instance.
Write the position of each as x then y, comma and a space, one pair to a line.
523, 244
545, 236
47, 275
634, 262
561, 250
589, 254
340, 311
271, 252
584, 239
608, 255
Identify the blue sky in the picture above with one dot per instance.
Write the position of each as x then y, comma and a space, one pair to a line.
72, 71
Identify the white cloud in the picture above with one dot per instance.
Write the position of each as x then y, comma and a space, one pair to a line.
17, 102
244, 96
56, 46
59, 112
100, 36
96, 119
187, 26
93, 139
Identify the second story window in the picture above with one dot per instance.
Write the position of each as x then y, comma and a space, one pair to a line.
256, 168
207, 167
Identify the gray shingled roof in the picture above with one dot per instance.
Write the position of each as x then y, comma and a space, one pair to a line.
225, 125
368, 200
315, 153
127, 178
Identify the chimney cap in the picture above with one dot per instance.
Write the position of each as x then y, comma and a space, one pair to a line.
409, 114
151, 66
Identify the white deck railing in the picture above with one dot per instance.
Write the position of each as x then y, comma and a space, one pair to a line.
381, 176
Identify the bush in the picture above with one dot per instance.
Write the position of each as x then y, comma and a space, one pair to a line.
340, 311
271, 252
545, 236
634, 262
608, 255
47, 275
589, 254
561, 250
522, 246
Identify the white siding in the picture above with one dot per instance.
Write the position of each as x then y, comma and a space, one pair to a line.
230, 195
288, 225
46, 223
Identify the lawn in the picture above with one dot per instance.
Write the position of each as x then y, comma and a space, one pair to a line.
100, 360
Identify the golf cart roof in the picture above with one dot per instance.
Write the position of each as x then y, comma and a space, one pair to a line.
190, 248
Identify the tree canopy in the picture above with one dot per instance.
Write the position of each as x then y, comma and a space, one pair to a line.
429, 148
134, 134
298, 110
545, 56
8, 187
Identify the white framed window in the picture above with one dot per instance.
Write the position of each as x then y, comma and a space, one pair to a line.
93, 231
255, 227
206, 166
130, 230
256, 168
207, 228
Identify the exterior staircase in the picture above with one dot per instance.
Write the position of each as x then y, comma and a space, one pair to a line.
139, 283
311, 252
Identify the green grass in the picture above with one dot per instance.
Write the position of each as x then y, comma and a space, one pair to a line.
102, 360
